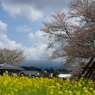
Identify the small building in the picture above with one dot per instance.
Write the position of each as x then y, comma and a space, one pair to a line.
65, 76
32, 73
11, 68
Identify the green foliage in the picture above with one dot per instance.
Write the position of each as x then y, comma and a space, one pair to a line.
46, 74
56, 73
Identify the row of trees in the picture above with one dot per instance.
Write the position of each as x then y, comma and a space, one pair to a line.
73, 32
55, 73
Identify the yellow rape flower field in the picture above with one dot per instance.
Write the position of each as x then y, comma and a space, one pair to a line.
44, 86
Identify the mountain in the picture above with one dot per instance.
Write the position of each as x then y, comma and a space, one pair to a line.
31, 68
43, 64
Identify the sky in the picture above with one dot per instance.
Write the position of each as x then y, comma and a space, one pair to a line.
20, 24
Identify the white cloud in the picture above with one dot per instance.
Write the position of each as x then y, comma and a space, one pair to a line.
43, 5
28, 11
33, 9
37, 52
23, 29
38, 37
3, 27
6, 43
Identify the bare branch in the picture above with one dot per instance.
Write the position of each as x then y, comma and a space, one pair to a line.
12, 56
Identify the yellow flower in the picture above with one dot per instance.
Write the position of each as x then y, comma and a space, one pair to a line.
45, 71
51, 93
91, 88
60, 93
6, 72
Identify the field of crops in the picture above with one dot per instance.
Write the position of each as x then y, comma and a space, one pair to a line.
44, 86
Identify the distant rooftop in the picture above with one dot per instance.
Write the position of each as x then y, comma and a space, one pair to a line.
29, 72
10, 66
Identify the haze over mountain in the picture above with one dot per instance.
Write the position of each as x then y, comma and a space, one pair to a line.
43, 64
